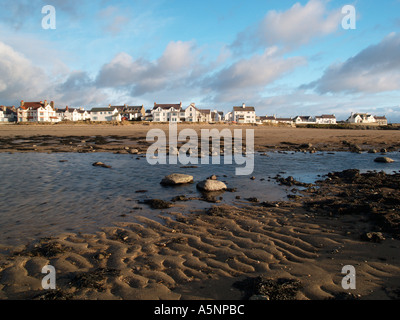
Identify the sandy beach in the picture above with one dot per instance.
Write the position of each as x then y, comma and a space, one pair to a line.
69, 137
293, 249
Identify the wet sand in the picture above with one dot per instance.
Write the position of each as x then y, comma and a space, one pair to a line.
347, 219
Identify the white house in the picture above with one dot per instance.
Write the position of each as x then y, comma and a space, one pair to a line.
366, 118
304, 120
382, 121
105, 114
217, 116
326, 119
167, 112
8, 114
192, 114
205, 115
134, 112
228, 116
83, 114
37, 112
244, 114
69, 114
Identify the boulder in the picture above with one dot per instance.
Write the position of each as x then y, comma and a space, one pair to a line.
177, 178
211, 185
384, 160
100, 164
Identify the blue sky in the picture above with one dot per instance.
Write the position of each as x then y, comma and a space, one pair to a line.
284, 57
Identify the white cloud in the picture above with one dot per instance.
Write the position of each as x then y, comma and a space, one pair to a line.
143, 76
251, 75
374, 69
294, 27
19, 75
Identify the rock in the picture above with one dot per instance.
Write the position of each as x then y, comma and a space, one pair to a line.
100, 164
373, 237
305, 146
259, 297
372, 151
384, 160
211, 185
158, 204
252, 199
253, 178
133, 151
177, 178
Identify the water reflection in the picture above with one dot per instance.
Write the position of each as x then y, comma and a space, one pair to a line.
47, 194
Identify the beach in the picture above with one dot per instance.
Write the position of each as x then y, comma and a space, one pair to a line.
68, 137
292, 249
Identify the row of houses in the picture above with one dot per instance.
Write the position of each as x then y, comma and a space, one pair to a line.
355, 118
44, 111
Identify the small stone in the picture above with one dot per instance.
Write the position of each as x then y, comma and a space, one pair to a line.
100, 164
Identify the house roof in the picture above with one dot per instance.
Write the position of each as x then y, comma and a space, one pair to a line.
361, 115
119, 108
32, 105
380, 118
247, 109
205, 111
326, 116
133, 109
101, 109
167, 106
304, 117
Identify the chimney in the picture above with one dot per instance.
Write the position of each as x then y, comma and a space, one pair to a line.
244, 106
52, 104
155, 103
22, 103
66, 108
45, 103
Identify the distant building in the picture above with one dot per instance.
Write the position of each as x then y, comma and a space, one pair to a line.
134, 112
360, 118
205, 115
244, 114
304, 120
217, 116
192, 113
105, 114
70, 114
8, 114
326, 119
37, 112
382, 121
228, 116
167, 112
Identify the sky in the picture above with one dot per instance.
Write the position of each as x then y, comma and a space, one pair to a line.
285, 58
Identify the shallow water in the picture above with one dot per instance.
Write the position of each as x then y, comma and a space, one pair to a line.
42, 196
